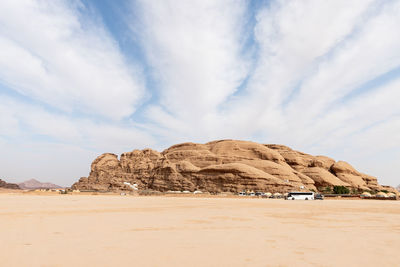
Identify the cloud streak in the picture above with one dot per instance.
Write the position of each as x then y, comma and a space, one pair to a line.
195, 51
65, 60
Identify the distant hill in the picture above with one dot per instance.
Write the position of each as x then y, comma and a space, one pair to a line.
398, 188
35, 184
4, 184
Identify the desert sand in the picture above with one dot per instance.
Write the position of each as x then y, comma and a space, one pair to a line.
98, 230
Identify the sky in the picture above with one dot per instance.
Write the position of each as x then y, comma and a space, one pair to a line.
80, 78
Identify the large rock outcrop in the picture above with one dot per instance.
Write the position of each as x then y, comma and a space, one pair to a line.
222, 166
4, 184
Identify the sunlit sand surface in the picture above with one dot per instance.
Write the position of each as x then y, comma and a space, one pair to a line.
80, 230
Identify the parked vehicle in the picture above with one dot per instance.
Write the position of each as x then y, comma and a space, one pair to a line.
242, 194
300, 195
319, 197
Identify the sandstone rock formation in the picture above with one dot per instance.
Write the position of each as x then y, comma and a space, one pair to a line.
222, 166
6, 185
35, 184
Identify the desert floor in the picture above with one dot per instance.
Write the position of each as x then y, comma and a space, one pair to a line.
81, 230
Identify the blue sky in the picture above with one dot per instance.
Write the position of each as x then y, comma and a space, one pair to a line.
79, 78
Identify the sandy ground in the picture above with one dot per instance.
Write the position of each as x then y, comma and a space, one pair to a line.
79, 230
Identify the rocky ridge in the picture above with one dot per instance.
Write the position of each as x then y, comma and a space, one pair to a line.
4, 184
223, 166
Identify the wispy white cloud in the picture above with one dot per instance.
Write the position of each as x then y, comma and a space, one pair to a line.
51, 52
30, 121
370, 52
293, 38
195, 50
293, 35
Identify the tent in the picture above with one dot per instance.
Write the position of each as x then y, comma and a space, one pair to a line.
381, 194
366, 194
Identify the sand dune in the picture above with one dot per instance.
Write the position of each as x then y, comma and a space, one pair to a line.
78, 230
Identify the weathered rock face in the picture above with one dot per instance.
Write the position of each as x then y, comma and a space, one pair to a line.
4, 184
222, 166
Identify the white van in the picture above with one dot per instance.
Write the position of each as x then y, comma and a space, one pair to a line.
300, 195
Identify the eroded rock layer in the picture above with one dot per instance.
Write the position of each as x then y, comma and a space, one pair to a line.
222, 166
